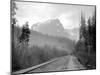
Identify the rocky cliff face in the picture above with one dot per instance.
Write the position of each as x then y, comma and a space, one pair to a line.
51, 27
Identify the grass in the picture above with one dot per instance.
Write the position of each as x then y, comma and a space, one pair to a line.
87, 59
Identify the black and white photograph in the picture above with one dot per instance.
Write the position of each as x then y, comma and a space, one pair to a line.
52, 37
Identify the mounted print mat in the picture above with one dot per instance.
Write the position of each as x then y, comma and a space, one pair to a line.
52, 37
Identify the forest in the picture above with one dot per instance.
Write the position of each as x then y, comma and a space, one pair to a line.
85, 48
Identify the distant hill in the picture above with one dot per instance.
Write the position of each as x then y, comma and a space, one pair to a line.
42, 40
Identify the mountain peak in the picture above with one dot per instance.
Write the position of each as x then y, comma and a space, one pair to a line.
54, 27
50, 27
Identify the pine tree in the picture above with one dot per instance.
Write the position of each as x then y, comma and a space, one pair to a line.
24, 38
82, 27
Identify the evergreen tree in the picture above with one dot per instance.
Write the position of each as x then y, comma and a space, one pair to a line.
13, 20
13, 12
82, 27
24, 38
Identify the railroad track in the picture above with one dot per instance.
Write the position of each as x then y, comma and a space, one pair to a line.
34, 67
64, 63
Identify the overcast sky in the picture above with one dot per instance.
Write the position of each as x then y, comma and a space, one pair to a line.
38, 12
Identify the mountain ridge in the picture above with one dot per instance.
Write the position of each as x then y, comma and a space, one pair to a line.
51, 27
42, 40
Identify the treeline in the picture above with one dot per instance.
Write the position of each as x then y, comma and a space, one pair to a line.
85, 48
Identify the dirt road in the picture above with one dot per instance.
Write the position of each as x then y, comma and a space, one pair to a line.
69, 62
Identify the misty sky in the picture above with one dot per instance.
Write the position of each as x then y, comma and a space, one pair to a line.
69, 15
